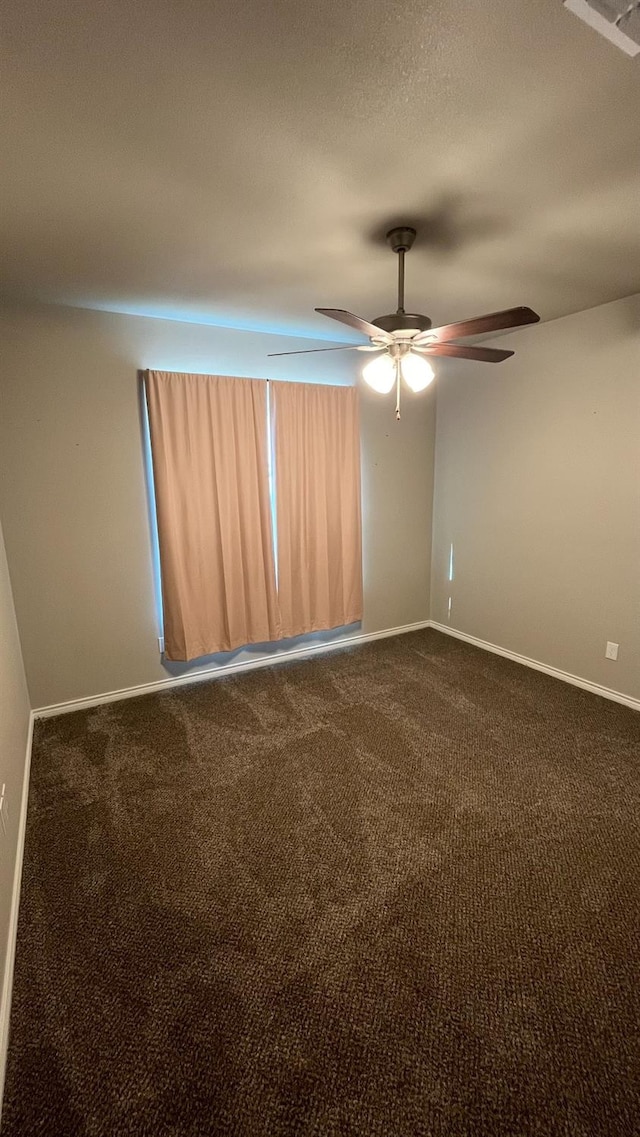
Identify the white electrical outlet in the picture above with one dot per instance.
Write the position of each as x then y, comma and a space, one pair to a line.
161, 644
611, 651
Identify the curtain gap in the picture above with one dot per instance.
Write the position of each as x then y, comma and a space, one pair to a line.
271, 474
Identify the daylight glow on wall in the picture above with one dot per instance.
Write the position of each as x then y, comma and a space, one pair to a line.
153, 521
225, 320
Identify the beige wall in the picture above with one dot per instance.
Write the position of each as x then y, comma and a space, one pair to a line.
73, 496
14, 728
538, 487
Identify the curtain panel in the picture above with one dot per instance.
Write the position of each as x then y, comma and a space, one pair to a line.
318, 511
209, 449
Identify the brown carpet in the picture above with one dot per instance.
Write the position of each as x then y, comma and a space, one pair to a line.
394, 891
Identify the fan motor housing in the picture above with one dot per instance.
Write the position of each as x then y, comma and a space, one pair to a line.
403, 322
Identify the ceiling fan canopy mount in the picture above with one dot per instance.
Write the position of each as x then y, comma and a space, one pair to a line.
401, 238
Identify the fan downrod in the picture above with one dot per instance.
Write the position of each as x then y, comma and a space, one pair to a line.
401, 239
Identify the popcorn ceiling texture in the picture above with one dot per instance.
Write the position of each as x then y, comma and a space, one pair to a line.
394, 892
233, 160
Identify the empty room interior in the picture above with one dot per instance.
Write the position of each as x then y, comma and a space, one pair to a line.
320, 569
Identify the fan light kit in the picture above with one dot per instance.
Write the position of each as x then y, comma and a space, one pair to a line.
381, 372
402, 340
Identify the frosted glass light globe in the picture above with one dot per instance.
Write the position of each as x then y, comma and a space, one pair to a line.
416, 372
380, 374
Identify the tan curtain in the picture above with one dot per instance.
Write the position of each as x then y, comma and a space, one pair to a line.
209, 447
317, 449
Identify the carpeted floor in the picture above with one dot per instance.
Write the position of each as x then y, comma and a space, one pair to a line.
391, 892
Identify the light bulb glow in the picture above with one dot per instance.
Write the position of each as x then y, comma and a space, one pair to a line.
380, 374
416, 372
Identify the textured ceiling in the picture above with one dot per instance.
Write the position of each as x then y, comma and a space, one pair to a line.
238, 162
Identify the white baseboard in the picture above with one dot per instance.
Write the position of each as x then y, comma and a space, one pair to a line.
225, 669
7, 979
320, 649
555, 672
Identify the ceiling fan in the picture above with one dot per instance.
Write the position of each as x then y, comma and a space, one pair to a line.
403, 341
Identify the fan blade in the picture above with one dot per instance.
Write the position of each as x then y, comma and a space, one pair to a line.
460, 351
355, 322
493, 322
312, 350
